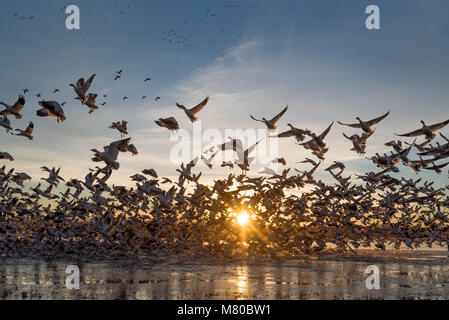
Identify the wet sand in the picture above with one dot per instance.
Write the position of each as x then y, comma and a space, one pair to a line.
403, 275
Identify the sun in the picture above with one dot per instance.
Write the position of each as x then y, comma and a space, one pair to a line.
243, 218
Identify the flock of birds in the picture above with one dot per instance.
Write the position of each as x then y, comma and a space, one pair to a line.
290, 214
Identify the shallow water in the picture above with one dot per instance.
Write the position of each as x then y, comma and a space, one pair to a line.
411, 276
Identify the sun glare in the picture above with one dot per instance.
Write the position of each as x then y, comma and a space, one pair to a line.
243, 219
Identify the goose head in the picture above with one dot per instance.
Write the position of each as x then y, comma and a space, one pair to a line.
423, 123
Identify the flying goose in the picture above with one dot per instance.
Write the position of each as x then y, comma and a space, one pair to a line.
366, 125
271, 124
82, 87
14, 109
91, 102
243, 156
121, 127
299, 134
437, 168
193, 111
28, 133
6, 156
110, 153
51, 109
425, 130
169, 123
5, 123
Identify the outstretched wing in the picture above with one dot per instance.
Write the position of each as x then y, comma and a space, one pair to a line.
199, 107
439, 126
276, 119
30, 128
377, 120
255, 118
20, 103
114, 147
415, 133
354, 125
285, 134
88, 83
324, 134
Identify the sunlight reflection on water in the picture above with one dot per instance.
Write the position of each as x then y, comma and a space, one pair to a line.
293, 279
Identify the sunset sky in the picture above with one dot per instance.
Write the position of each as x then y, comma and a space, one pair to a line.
315, 56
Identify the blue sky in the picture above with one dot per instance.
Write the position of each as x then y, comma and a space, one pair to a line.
315, 56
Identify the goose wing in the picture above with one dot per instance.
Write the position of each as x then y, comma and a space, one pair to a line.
256, 119
353, 125
415, 133
276, 119
200, 106
285, 134
324, 134
30, 128
86, 86
18, 106
439, 126
377, 120
113, 148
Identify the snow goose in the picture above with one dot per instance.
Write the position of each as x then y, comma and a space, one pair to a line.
426, 130
82, 87
271, 124
91, 102
110, 153
121, 127
51, 109
193, 111
27, 133
366, 125
14, 109
169, 123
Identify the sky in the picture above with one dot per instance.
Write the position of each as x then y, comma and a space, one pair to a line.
250, 57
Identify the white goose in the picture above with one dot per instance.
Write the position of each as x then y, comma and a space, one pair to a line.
82, 87
14, 109
110, 154
426, 130
271, 124
51, 109
28, 133
192, 112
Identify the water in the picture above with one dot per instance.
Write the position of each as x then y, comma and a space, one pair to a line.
409, 276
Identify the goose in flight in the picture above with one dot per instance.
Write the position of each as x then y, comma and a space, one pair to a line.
82, 87
157, 99
25, 91
110, 153
359, 142
193, 111
366, 125
147, 79
426, 130
14, 109
28, 132
244, 160
316, 144
5, 123
169, 123
51, 109
121, 127
55, 90
6, 156
117, 77
91, 102
437, 168
299, 134
271, 124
